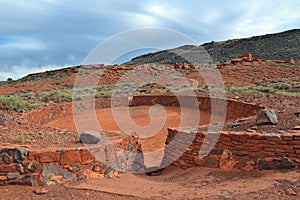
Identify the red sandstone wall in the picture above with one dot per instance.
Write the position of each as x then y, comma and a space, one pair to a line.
245, 151
234, 109
24, 166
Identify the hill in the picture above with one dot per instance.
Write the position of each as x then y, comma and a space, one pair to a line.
278, 46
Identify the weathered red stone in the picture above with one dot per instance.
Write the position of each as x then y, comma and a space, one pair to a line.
70, 157
226, 160
294, 142
7, 168
86, 157
48, 156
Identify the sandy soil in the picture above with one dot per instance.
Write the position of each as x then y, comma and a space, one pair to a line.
152, 129
150, 125
174, 183
191, 184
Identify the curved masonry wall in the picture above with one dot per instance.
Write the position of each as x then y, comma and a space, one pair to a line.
240, 150
234, 109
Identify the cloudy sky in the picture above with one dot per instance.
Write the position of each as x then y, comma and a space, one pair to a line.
38, 35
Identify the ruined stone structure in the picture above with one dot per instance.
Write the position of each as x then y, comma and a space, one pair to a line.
244, 151
25, 166
240, 150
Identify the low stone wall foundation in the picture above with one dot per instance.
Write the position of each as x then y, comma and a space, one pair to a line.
24, 166
239, 150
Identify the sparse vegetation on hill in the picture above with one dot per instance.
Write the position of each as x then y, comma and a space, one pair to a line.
12, 103
57, 96
279, 46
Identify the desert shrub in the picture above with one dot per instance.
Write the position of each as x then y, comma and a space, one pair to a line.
98, 94
264, 89
107, 94
238, 89
12, 103
35, 105
21, 139
282, 86
78, 98
199, 90
57, 96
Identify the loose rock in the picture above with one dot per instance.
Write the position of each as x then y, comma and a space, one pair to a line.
40, 191
87, 138
290, 191
266, 116
19, 155
11, 176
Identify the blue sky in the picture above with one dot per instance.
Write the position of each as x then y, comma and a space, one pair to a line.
38, 35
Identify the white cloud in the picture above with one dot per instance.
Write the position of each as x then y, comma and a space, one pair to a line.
164, 11
265, 17
53, 32
23, 43
137, 19
18, 71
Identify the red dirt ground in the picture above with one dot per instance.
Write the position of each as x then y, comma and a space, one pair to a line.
174, 183
140, 116
241, 74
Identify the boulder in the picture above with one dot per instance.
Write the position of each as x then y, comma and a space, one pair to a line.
291, 61
87, 138
211, 162
19, 154
56, 176
248, 57
277, 164
266, 116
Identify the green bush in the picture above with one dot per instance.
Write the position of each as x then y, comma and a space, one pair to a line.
238, 89
57, 96
35, 105
21, 139
78, 98
12, 103
282, 86
199, 90
107, 94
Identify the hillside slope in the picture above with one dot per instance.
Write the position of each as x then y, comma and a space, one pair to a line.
278, 46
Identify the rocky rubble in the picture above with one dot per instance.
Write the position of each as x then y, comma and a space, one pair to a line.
24, 166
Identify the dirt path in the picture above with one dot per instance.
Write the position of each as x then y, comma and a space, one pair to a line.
200, 183
174, 183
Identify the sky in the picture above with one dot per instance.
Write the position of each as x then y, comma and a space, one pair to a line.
39, 35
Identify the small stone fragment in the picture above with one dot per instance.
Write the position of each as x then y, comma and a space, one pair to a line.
40, 191
290, 191
235, 124
266, 116
11, 176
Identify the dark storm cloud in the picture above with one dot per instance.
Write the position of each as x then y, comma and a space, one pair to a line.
39, 35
